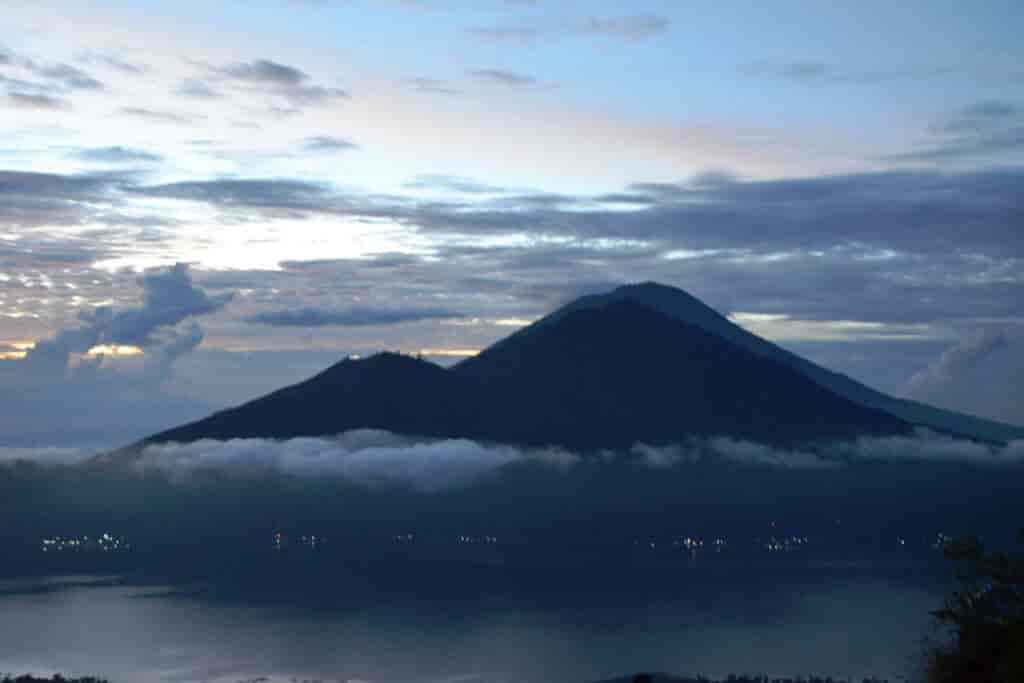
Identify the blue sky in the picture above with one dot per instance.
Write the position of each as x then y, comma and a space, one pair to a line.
844, 178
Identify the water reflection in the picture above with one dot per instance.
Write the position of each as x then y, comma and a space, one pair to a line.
502, 628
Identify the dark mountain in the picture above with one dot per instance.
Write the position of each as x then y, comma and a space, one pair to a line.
644, 363
388, 391
679, 305
621, 373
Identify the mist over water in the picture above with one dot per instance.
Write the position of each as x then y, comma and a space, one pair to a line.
498, 628
586, 573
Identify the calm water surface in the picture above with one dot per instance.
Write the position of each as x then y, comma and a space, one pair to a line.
825, 624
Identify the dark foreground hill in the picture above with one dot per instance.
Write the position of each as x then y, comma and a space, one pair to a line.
599, 373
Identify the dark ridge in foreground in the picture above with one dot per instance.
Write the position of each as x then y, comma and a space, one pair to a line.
666, 678
595, 378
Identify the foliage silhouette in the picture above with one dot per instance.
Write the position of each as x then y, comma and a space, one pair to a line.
985, 615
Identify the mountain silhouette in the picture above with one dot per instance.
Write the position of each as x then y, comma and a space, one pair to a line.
643, 363
680, 305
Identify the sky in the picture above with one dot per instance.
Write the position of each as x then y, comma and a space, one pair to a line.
201, 202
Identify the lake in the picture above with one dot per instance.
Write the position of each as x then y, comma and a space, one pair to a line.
484, 625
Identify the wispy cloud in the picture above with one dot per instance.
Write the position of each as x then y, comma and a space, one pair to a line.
432, 86
117, 155
811, 72
351, 317
275, 78
70, 77
986, 130
36, 101
511, 79
158, 116
197, 89
629, 28
115, 62
328, 143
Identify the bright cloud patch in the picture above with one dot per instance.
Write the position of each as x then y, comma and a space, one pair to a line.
365, 457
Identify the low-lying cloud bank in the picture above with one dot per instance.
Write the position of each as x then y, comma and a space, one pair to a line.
378, 459
923, 446
369, 458
50, 455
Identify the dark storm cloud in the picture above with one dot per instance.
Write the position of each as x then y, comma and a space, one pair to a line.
629, 28
509, 79
350, 317
327, 143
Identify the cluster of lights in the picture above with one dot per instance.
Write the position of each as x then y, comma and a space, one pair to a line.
313, 541
787, 544
404, 538
478, 540
692, 544
102, 543
279, 541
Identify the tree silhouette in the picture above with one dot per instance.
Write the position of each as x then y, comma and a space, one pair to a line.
985, 615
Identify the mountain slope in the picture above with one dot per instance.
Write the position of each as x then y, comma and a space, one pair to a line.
387, 391
622, 373
588, 378
681, 306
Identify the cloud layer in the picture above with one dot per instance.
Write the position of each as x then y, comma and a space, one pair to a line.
368, 458
73, 388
